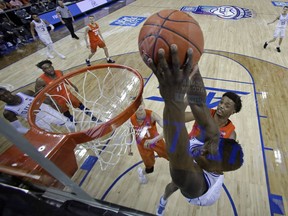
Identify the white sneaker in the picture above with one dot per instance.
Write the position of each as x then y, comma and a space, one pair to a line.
142, 178
50, 56
161, 207
62, 56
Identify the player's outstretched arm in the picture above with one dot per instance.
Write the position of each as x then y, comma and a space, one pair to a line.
173, 84
196, 96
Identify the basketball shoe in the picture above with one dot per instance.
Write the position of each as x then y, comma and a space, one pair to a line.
161, 207
265, 45
50, 56
88, 62
278, 49
62, 56
110, 61
142, 178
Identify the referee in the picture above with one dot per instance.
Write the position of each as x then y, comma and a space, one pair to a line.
66, 18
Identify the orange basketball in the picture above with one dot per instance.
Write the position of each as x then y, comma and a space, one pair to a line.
168, 27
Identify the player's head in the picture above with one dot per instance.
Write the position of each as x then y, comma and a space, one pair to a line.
60, 3
141, 110
6, 96
91, 19
35, 17
46, 66
230, 157
230, 103
285, 9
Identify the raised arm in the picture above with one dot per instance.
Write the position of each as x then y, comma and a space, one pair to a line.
196, 96
173, 84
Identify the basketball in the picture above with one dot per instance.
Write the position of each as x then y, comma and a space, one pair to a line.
168, 27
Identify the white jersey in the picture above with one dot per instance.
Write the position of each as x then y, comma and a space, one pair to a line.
213, 180
22, 108
42, 31
282, 22
44, 117
40, 28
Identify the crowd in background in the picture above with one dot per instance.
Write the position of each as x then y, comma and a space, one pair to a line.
15, 18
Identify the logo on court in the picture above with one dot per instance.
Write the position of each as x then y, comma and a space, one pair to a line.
224, 12
128, 21
279, 4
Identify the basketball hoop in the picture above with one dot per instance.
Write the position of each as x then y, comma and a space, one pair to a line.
112, 92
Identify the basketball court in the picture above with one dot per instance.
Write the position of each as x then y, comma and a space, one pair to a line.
233, 60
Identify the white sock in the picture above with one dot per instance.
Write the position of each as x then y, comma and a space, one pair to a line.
163, 201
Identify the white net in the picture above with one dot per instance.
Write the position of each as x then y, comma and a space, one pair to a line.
104, 93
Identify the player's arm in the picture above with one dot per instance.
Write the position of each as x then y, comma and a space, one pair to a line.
173, 86
12, 118
277, 18
196, 96
155, 118
49, 24
32, 30
70, 83
28, 92
86, 36
99, 33
39, 85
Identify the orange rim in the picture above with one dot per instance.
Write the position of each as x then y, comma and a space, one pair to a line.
99, 130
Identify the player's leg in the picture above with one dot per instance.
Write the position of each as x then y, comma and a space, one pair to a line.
54, 50
93, 49
275, 35
148, 158
46, 39
102, 45
169, 190
52, 116
282, 35
78, 104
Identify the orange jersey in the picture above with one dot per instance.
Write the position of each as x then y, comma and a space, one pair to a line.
147, 130
225, 132
93, 33
144, 131
62, 90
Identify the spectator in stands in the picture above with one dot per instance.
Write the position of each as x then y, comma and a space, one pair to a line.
4, 5
50, 5
16, 3
9, 38
20, 32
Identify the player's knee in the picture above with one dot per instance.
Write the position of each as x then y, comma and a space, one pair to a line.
149, 170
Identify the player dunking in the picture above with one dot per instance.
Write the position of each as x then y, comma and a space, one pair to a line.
62, 95
95, 40
18, 105
148, 139
196, 167
40, 26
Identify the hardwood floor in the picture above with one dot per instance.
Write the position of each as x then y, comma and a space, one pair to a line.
234, 60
